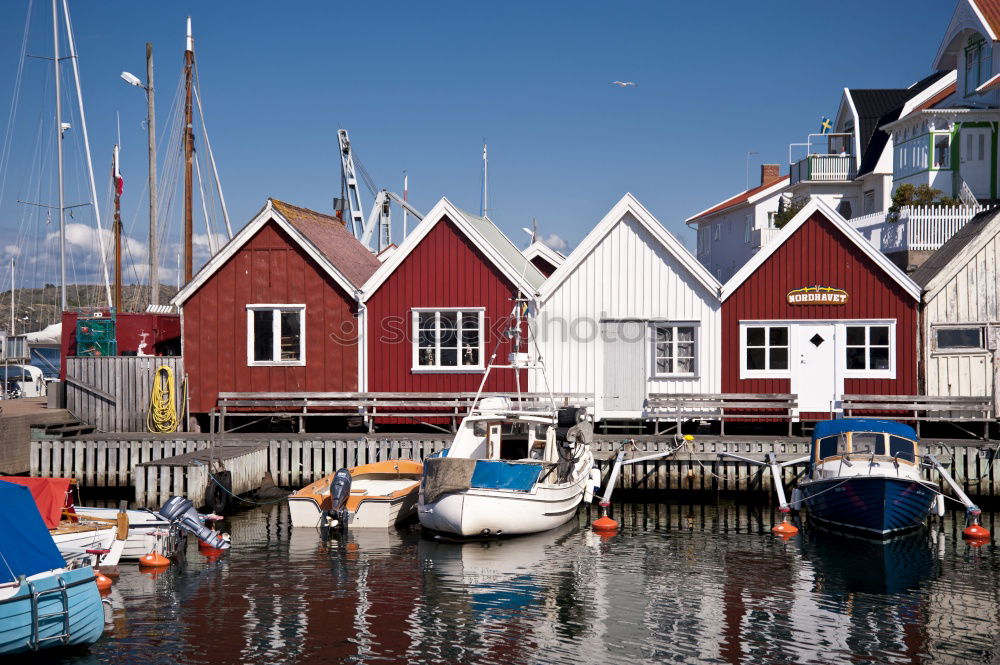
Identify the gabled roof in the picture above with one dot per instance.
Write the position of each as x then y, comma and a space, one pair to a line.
969, 16
483, 233
801, 217
749, 196
540, 249
323, 237
952, 256
628, 204
989, 11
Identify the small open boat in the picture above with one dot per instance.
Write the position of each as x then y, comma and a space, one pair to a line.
43, 603
382, 495
147, 531
864, 476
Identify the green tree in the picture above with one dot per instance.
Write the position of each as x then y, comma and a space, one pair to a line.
787, 211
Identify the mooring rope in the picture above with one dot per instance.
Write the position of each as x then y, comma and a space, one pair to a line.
162, 414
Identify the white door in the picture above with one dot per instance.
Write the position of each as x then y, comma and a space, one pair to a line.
814, 372
975, 154
624, 381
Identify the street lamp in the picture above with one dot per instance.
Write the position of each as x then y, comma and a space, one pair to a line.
132, 79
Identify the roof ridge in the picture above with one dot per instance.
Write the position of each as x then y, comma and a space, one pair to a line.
324, 215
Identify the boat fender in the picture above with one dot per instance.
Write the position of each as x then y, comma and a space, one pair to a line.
796, 502
593, 486
939, 505
219, 491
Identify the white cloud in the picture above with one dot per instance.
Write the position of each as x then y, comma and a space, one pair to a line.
554, 241
12, 250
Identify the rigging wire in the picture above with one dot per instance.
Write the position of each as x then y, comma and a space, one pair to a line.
211, 155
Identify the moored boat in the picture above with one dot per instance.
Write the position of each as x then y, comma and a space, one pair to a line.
43, 603
380, 495
147, 531
864, 476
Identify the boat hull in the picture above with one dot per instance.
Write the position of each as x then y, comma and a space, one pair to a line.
496, 512
73, 540
86, 613
143, 527
371, 514
383, 494
875, 505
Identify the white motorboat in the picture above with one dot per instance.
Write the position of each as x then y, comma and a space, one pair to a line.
510, 470
147, 531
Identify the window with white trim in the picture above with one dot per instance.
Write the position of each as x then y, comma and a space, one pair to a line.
715, 230
868, 348
447, 339
674, 349
766, 348
747, 228
959, 339
276, 335
703, 240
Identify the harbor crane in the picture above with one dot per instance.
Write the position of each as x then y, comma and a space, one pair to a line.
378, 224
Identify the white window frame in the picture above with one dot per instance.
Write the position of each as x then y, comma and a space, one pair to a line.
653, 325
963, 350
276, 334
745, 372
747, 228
715, 230
415, 365
889, 372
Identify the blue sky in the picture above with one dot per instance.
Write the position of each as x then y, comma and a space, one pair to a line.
419, 85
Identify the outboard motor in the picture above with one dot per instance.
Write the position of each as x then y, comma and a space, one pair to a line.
180, 510
340, 491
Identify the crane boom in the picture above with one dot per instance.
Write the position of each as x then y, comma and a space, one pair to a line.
349, 184
380, 218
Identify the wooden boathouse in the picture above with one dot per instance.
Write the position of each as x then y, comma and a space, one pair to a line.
819, 313
630, 313
276, 309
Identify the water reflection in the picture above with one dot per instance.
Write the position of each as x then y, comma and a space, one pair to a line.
678, 583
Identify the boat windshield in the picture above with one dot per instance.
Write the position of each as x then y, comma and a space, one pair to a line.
829, 446
903, 449
868, 443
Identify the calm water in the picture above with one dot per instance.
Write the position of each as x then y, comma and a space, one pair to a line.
679, 583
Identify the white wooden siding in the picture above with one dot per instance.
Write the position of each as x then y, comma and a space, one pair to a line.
629, 274
971, 297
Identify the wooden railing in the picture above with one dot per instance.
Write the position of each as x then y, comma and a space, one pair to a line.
922, 408
823, 168
414, 408
923, 228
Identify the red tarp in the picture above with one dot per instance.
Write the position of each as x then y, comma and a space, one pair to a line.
49, 495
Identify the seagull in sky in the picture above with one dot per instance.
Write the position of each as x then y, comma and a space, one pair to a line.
623, 84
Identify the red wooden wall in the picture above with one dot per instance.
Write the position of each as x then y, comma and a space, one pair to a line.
157, 334
270, 268
819, 254
444, 270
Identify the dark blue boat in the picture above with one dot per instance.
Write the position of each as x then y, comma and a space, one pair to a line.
864, 476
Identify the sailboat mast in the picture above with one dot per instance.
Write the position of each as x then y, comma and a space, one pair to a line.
12, 333
484, 207
154, 248
188, 156
59, 159
118, 235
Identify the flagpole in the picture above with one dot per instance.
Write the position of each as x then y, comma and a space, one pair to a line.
118, 232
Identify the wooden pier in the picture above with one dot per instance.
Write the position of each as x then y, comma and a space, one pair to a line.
158, 465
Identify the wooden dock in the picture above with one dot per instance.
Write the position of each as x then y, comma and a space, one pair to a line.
159, 465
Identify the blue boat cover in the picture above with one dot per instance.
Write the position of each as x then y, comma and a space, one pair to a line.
26, 546
500, 475
841, 425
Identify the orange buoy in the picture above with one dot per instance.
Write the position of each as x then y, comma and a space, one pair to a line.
786, 529
154, 560
103, 582
208, 550
976, 532
604, 523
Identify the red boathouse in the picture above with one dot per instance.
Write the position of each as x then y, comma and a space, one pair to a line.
434, 310
819, 312
276, 309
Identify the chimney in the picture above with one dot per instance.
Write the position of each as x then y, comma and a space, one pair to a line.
769, 173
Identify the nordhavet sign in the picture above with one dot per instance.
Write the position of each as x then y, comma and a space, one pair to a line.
817, 295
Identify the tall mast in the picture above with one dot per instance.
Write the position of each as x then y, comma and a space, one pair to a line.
154, 248
86, 145
406, 197
188, 157
118, 233
12, 333
59, 162
484, 208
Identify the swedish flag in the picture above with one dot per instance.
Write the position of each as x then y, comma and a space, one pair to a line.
825, 126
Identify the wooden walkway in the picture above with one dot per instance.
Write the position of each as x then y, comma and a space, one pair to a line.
160, 465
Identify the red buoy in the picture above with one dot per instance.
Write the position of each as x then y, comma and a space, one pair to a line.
208, 550
786, 529
154, 560
604, 524
976, 532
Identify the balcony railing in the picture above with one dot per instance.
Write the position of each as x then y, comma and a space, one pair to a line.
823, 168
761, 237
923, 228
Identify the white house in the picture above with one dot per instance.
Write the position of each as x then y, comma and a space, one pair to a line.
730, 232
630, 312
961, 311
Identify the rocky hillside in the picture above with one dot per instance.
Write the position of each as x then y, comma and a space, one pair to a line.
36, 308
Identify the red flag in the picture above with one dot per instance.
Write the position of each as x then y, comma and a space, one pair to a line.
116, 174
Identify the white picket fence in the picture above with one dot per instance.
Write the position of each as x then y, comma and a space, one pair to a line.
917, 227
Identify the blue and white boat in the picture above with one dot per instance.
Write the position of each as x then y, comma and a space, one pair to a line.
43, 604
864, 476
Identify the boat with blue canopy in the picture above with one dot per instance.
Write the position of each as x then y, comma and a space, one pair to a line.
864, 476
43, 603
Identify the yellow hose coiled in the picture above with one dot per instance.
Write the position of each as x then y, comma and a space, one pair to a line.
162, 414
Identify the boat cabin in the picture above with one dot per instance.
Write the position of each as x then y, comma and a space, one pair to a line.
858, 443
